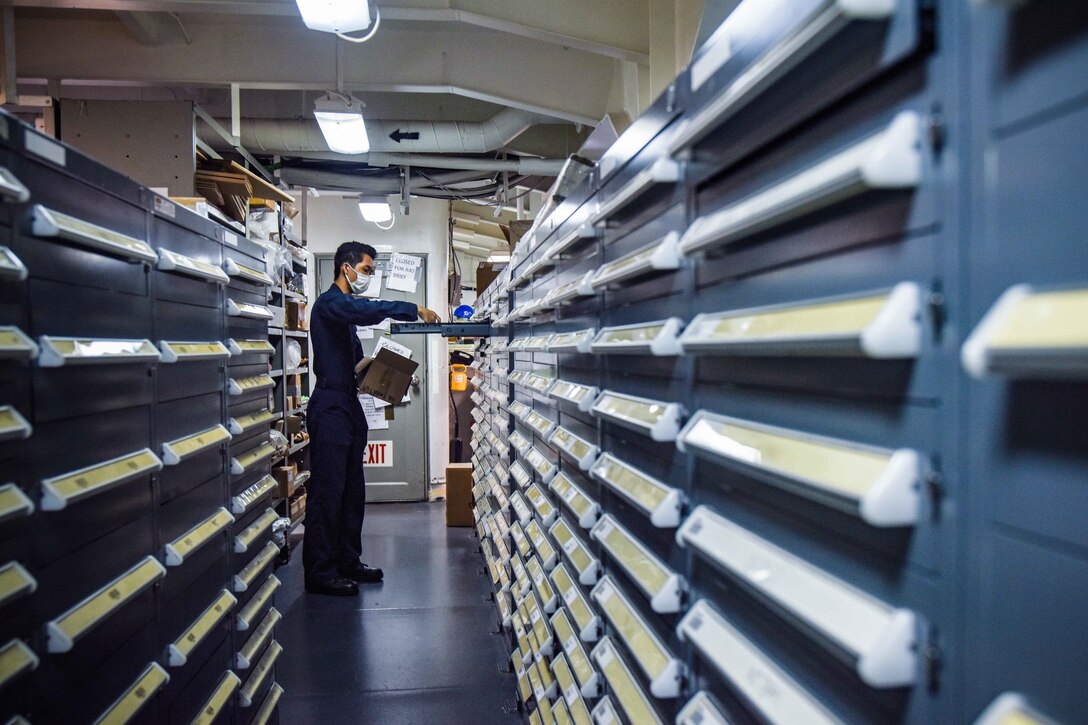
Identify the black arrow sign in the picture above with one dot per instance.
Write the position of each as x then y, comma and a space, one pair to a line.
399, 135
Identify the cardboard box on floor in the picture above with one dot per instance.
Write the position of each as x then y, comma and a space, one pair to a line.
459, 494
386, 376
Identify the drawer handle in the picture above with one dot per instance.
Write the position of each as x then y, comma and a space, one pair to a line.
880, 326
12, 190
664, 671
260, 673
661, 585
660, 502
15, 583
809, 35
61, 491
544, 549
59, 351
576, 552
16, 659
539, 383
175, 352
880, 639
239, 386
16, 344
578, 501
250, 347
49, 223
14, 503
246, 422
248, 309
541, 585
570, 241
545, 512
249, 274
180, 264
13, 426
177, 654
521, 476
253, 495
571, 642
572, 342
661, 256
881, 486
657, 338
1031, 333
243, 660
624, 687
245, 617
581, 287
176, 451
254, 531
67, 629
662, 171
537, 343
701, 710
776, 696
195, 538
521, 509
256, 565
264, 715
251, 458
581, 395
545, 468
1012, 707
582, 451
135, 697
218, 700
655, 418
890, 159
12, 268
541, 425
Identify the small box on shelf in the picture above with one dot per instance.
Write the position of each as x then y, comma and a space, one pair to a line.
295, 313
285, 476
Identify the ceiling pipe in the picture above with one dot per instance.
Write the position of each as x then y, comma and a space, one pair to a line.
370, 183
288, 136
522, 167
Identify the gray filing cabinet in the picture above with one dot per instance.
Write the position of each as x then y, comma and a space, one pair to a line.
784, 420
132, 588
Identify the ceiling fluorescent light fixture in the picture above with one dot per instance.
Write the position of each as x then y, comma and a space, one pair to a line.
340, 117
335, 16
375, 209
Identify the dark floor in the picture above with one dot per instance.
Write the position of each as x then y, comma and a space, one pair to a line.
416, 649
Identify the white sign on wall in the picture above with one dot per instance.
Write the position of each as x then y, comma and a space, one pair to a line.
379, 454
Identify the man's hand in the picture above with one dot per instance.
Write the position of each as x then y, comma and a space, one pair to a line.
427, 315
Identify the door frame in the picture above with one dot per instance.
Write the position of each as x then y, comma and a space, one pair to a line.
318, 257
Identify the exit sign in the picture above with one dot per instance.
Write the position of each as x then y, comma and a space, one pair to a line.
379, 454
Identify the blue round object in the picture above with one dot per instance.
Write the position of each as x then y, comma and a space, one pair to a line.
463, 312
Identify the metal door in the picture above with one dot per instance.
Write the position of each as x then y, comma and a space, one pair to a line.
397, 468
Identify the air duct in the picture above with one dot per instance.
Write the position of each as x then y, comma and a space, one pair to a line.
296, 136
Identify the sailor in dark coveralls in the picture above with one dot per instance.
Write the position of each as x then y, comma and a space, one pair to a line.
336, 493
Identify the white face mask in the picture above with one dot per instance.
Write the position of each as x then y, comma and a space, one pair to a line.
360, 284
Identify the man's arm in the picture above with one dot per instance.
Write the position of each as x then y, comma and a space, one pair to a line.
365, 312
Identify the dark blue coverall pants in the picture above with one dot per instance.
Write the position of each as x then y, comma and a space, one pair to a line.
336, 491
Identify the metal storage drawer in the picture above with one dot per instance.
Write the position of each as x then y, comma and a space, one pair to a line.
185, 698
70, 693
185, 609
179, 516
66, 583
90, 391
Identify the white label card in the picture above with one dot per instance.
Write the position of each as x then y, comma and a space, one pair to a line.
402, 272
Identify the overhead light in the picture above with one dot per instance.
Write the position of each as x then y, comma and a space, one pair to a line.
335, 16
341, 120
375, 209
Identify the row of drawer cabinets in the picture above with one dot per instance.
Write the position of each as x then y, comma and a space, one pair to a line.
538, 563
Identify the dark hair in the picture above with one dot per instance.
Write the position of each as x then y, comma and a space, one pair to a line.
352, 253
